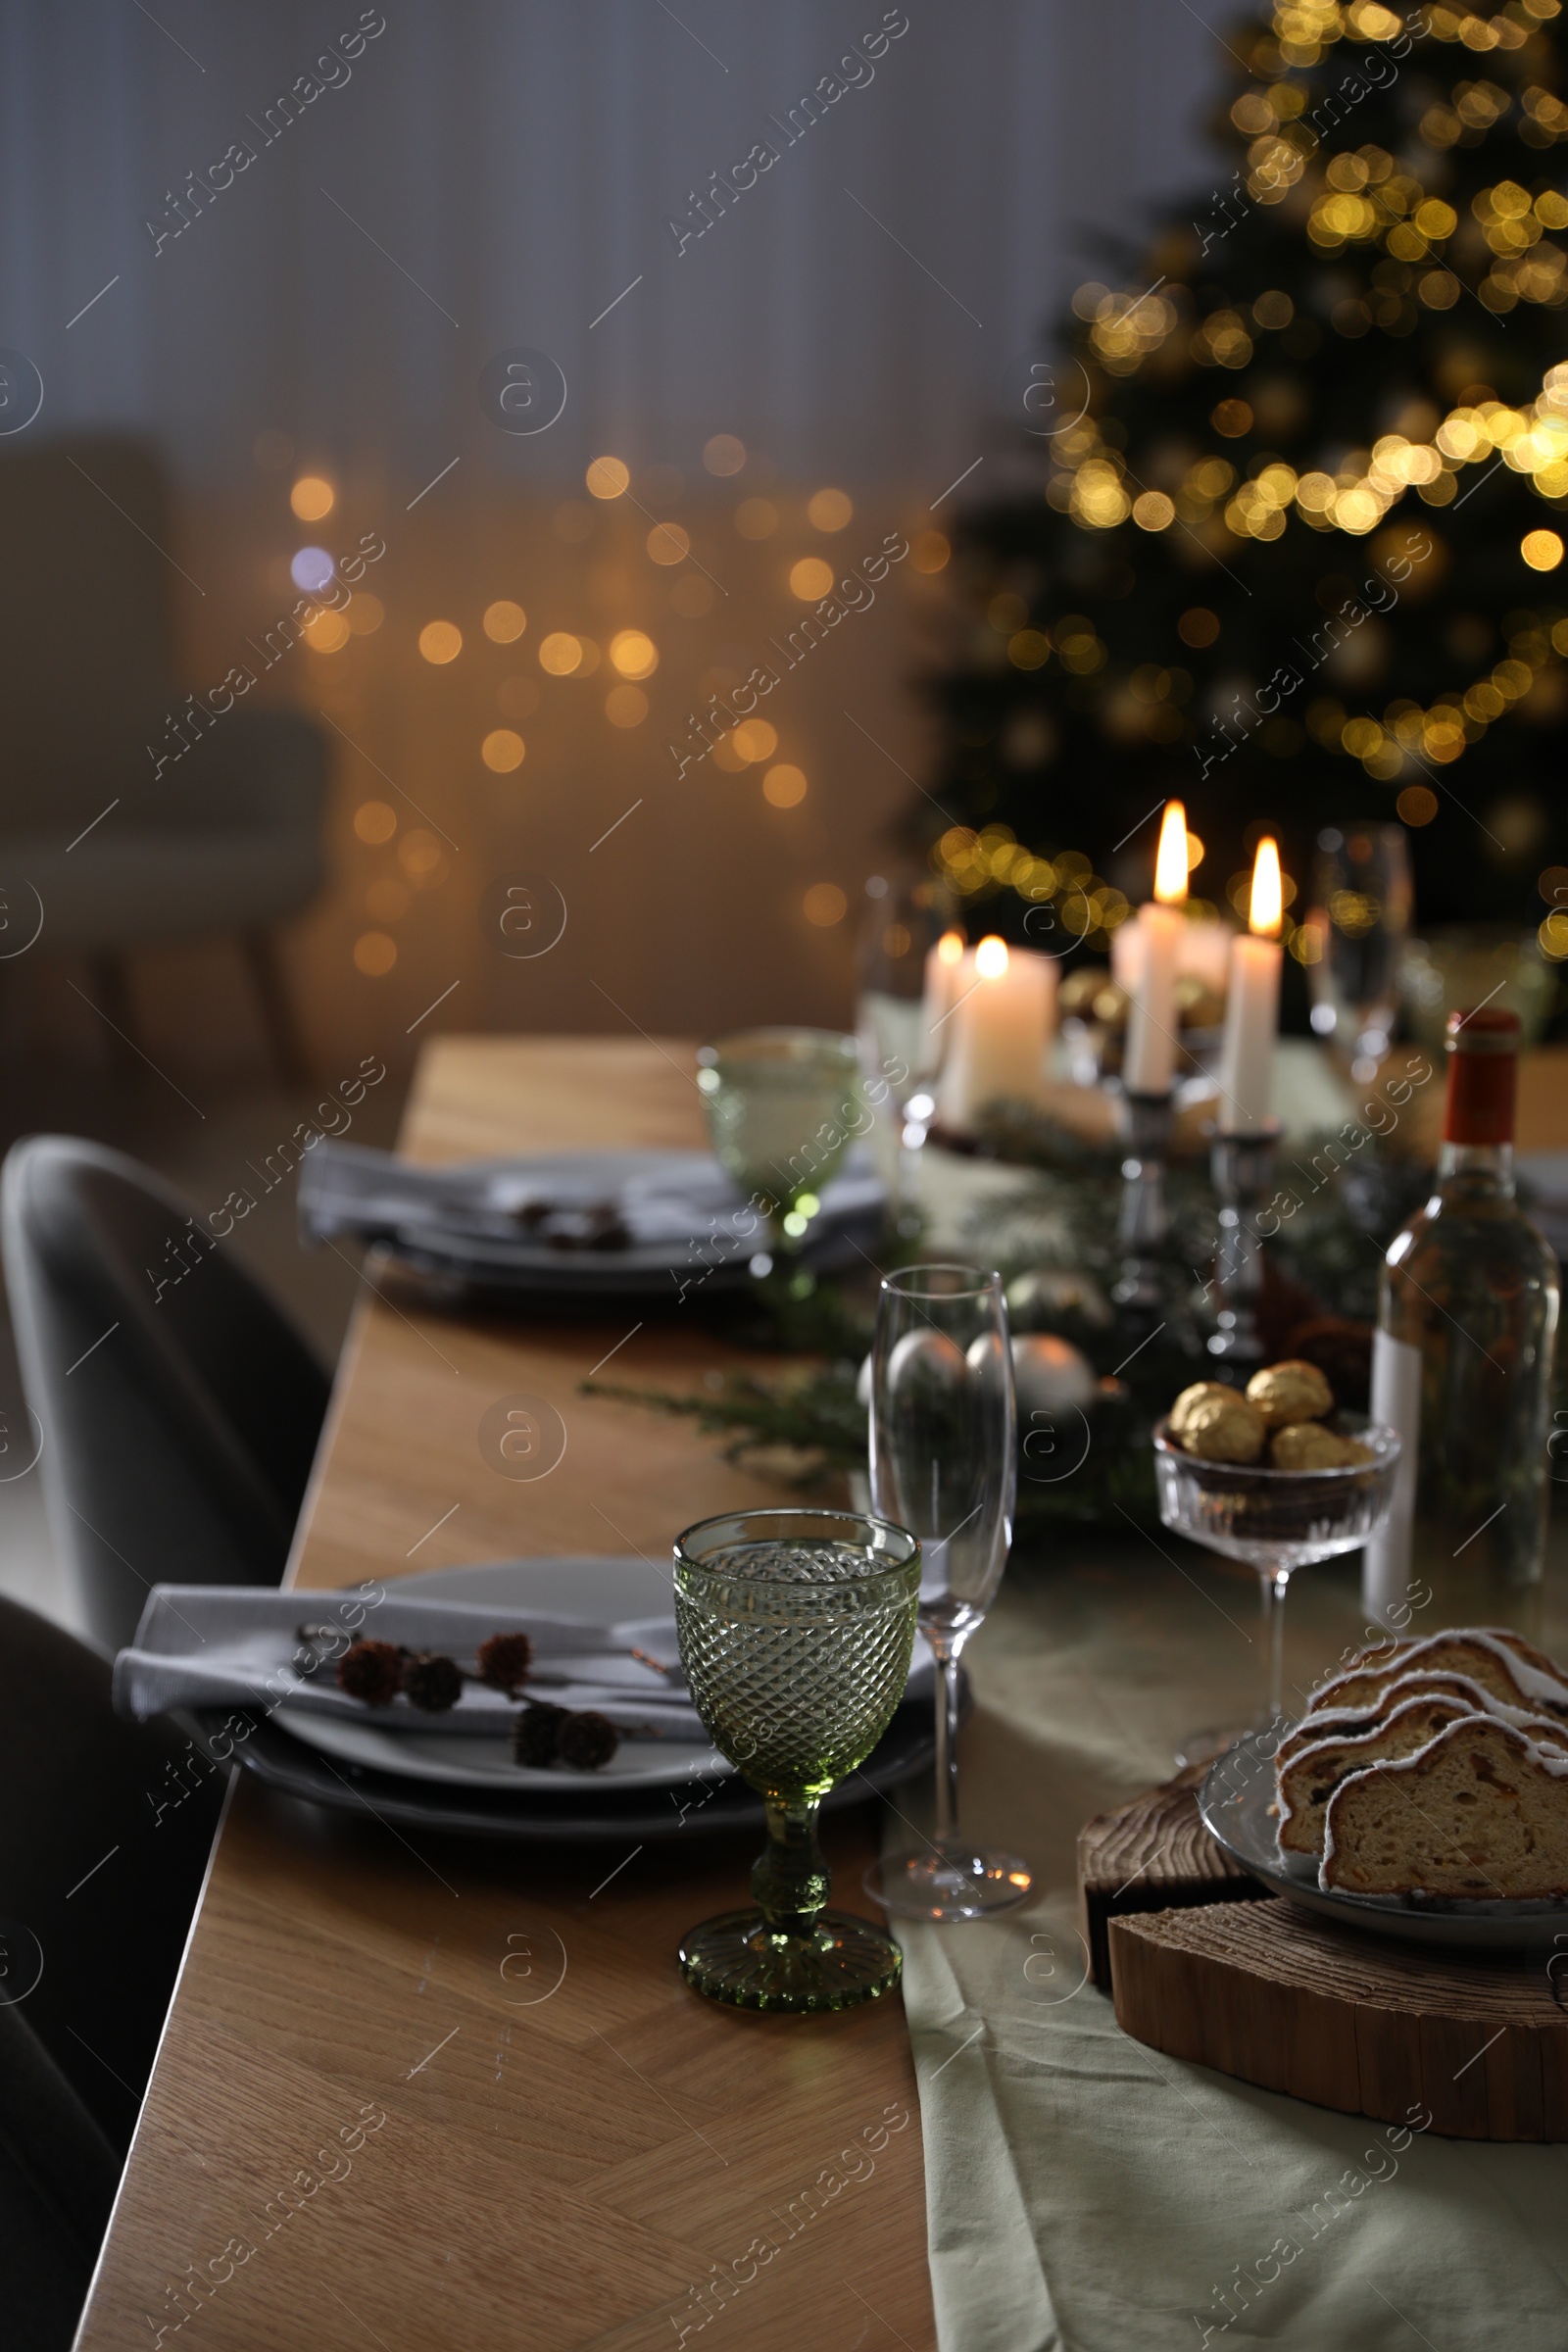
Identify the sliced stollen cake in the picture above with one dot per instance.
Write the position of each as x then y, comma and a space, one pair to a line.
1308, 1780
1501, 1663
1479, 1812
1347, 1723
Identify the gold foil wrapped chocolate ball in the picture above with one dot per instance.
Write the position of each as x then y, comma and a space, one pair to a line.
1187, 1403
1308, 1446
1291, 1392
1224, 1428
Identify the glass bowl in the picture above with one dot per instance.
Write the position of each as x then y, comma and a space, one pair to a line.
1277, 1519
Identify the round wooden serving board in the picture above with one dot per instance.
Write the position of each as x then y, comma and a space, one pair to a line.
1273, 1993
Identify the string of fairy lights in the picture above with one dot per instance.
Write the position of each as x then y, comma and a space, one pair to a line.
1365, 199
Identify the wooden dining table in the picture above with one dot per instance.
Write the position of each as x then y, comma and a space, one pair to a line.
421, 2092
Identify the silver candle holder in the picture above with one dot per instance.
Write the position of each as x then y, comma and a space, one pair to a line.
1143, 1223
1241, 1168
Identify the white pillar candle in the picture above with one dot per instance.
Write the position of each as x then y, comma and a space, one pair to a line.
942, 964
1003, 1021
1148, 1064
1252, 1005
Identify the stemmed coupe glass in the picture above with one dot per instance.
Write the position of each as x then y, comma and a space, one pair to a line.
796, 1630
1277, 1520
945, 1465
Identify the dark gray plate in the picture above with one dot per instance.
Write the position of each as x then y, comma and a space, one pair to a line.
276, 1756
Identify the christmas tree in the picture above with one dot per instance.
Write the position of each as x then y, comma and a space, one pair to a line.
1300, 558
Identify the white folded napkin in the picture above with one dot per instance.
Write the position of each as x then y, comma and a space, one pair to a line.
223, 1645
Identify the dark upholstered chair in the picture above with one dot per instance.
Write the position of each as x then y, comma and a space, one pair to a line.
114, 848
179, 1409
101, 1854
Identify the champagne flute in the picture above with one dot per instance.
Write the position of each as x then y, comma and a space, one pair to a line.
945, 1465
899, 1016
1360, 920
796, 1629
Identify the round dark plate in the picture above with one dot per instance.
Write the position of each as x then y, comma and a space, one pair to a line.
276, 1756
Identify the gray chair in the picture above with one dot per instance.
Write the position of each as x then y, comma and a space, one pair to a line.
179, 1409
106, 826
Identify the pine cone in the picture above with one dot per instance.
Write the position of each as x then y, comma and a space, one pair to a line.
372, 1671
535, 1734
587, 1741
504, 1661
432, 1682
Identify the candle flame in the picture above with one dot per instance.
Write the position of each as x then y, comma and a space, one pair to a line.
990, 959
1170, 865
950, 946
1267, 905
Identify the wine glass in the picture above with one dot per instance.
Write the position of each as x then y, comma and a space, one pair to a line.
945, 1465
1277, 1520
1359, 923
796, 1630
783, 1106
899, 1016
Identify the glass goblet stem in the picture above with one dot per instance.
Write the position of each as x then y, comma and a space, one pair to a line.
947, 1706
1274, 1584
790, 1878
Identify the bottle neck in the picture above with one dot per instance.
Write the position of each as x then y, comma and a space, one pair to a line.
1475, 1171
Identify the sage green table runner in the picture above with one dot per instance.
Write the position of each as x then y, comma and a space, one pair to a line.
1086, 2193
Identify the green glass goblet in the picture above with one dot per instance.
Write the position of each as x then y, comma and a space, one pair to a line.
795, 1631
783, 1107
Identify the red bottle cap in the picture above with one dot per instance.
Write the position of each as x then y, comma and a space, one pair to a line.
1482, 1049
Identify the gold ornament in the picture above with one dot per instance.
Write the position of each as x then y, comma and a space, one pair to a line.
1308, 1446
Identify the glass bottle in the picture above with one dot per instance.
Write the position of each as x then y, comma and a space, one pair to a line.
1462, 1367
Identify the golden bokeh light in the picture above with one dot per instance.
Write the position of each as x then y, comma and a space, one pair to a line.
1542, 550
756, 518
502, 751
440, 641
1153, 512
784, 786
828, 510
421, 857
326, 633
724, 454
1197, 626
608, 477
668, 543
625, 706
929, 550
504, 621
375, 954
634, 653
810, 578
825, 905
376, 821
724, 756
364, 614
1417, 805
755, 740
560, 653
311, 498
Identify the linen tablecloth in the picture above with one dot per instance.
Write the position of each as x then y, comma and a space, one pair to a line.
1086, 2193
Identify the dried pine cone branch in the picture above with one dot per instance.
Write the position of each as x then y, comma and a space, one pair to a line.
587, 1741
432, 1682
535, 1732
504, 1661
372, 1671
